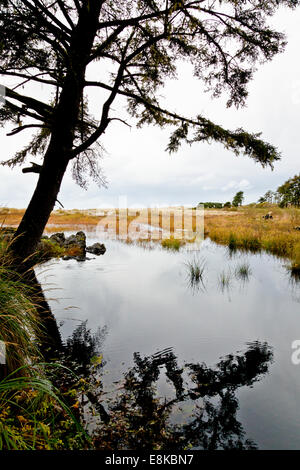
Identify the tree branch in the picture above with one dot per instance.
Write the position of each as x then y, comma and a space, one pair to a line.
42, 108
21, 128
61, 33
23, 111
35, 168
50, 15
65, 13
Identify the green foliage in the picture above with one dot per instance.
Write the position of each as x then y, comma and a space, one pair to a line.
238, 199
212, 205
49, 249
33, 414
289, 192
19, 323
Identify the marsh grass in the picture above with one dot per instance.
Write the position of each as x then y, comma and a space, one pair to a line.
34, 414
295, 263
195, 272
247, 230
172, 243
19, 322
243, 271
225, 280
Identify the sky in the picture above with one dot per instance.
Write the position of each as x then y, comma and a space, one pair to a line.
140, 173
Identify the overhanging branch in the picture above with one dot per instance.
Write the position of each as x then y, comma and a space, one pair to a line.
35, 168
21, 128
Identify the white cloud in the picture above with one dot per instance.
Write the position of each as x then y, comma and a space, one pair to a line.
242, 185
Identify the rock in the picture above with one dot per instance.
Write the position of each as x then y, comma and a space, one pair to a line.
59, 238
76, 245
81, 240
96, 249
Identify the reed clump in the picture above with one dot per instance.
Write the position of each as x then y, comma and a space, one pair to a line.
243, 271
295, 263
225, 280
172, 243
19, 323
195, 272
34, 413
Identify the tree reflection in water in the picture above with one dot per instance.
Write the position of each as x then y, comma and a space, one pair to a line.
139, 419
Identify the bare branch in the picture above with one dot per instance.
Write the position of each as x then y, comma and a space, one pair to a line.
21, 128
65, 13
35, 168
121, 120
23, 111
42, 108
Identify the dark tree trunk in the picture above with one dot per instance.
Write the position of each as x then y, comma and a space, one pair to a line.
50, 341
63, 127
39, 209
56, 159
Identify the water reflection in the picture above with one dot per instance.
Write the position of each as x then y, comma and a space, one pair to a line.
138, 417
142, 296
294, 282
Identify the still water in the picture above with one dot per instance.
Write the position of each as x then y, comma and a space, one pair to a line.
145, 302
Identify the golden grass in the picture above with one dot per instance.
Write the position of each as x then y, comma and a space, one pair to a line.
9, 216
172, 244
243, 228
250, 231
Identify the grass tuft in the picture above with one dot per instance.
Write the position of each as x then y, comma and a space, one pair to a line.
195, 272
172, 244
225, 280
243, 271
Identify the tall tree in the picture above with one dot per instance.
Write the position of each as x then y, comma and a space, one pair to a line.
136, 46
289, 192
238, 199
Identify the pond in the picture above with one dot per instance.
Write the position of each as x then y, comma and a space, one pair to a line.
145, 301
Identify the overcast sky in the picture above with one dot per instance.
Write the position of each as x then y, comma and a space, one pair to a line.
138, 168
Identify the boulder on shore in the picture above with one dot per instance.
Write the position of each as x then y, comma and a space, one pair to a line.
75, 245
96, 249
59, 238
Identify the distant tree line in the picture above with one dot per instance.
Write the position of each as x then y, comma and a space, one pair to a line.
288, 194
211, 205
237, 201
